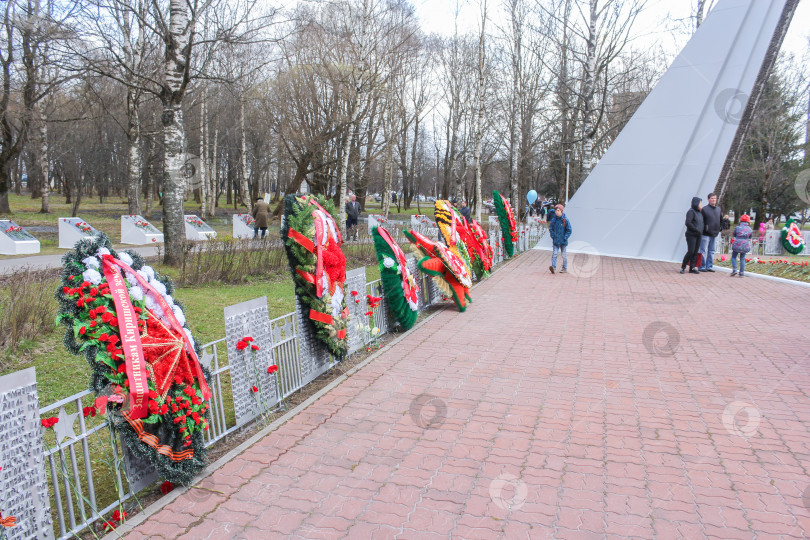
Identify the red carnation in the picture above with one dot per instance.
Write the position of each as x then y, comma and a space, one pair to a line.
241, 346
272, 369
79, 303
369, 313
113, 321
83, 330
254, 389
103, 337
247, 338
49, 422
106, 317
254, 347
166, 487
89, 411
355, 293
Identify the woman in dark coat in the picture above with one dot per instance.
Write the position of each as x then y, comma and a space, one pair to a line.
694, 231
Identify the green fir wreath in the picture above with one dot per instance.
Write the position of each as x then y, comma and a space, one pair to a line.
299, 222
171, 436
792, 238
507, 220
399, 285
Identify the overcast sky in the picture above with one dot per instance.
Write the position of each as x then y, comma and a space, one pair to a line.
654, 26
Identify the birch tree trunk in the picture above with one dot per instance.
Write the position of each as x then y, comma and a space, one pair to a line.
479, 117
514, 149
203, 166
588, 84
134, 148
389, 166
214, 174
246, 197
354, 113
42, 158
174, 143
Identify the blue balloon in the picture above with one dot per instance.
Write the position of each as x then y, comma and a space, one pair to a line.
531, 196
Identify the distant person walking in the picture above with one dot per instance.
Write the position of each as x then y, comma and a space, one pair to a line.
352, 215
712, 225
694, 232
560, 229
465, 211
741, 244
261, 215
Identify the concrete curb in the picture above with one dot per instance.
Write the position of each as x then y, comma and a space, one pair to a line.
159, 504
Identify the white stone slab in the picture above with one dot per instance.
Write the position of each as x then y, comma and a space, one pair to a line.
243, 226
197, 229
135, 230
73, 229
16, 241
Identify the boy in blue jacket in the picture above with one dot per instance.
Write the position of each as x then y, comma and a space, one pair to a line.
560, 229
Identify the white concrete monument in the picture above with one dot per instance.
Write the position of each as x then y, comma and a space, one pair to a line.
137, 231
197, 229
243, 225
73, 229
14, 240
685, 136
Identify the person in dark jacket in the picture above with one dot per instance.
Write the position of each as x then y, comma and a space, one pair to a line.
465, 211
694, 232
261, 215
352, 215
560, 229
712, 225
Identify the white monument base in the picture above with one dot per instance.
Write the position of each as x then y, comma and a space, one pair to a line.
15, 241
197, 229
73, 229
137, 231
243, 226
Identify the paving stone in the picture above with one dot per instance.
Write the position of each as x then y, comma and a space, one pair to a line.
556, 406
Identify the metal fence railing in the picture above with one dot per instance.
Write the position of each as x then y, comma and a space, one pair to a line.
77, 461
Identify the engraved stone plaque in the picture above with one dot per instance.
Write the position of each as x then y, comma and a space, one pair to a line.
248, 367
356, 281
315, 358
140, 473
23, 486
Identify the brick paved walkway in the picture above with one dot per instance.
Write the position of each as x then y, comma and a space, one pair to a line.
644, 403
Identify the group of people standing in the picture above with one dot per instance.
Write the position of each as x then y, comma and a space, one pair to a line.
703, 225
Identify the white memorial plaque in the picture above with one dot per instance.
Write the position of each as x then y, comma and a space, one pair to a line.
73, 229
14, 240
243, 226
23, 486
135, 230
197, 229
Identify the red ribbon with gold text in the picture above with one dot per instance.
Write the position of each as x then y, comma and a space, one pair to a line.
198, 372
130, 342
